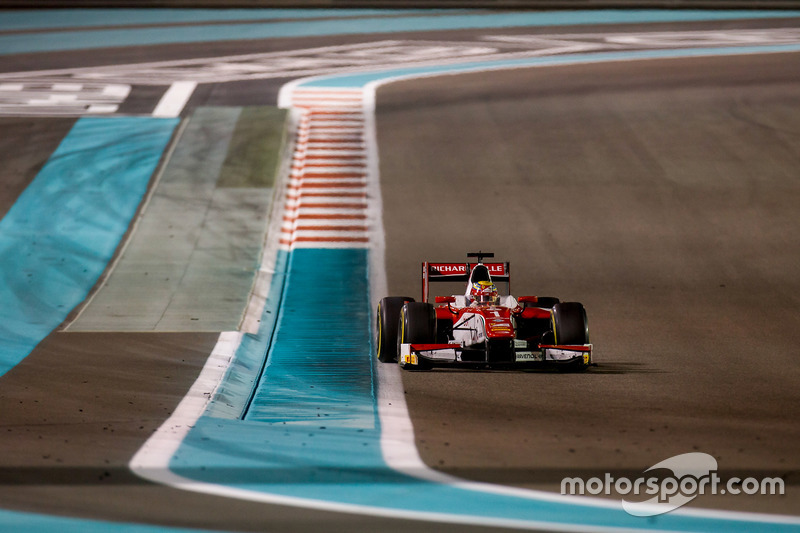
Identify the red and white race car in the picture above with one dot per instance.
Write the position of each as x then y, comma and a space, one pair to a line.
481, 328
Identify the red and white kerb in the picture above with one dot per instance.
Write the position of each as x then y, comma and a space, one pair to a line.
326, 200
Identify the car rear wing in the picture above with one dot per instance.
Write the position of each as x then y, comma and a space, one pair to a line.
459, 272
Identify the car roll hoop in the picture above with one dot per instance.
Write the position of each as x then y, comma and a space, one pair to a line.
480, 255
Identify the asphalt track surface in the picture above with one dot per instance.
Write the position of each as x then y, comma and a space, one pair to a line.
661, 194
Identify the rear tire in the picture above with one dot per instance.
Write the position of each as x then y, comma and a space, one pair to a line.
416, 325
388, 319
570, 326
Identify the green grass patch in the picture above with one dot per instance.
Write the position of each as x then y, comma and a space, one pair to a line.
254, 153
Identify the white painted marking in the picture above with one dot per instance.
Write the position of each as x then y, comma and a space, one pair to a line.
397, 433
340, 108
397, 436
317, 190
152, 460
304, 211
55, 99
36, 97
322, 152
328, 98
344, 119
331, 201
102, 108
119, 92
336, 171
300, 233
332, 163
338, 124
335, 135
318, 142
348, 201
67, 87
327, 181
330, 185
330, 223
174, 100
340, 159
334, 245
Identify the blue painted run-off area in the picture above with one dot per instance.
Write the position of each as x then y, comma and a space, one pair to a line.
343, 24
44, 19
361, 79
312, 431
311, 428
311, 425
60, 234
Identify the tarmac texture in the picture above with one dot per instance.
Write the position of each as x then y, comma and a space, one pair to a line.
663, 195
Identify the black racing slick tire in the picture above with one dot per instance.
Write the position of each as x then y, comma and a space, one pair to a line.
417, 325
388, 319
569, 323
570, 326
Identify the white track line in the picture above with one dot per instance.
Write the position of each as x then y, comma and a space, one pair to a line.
174, 100
397, 438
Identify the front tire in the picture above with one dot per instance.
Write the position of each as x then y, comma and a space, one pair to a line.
388, 319
570, 326
417, 325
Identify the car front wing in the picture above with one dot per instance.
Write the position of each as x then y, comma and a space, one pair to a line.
525, 354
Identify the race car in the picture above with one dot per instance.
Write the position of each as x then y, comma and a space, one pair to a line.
481, 328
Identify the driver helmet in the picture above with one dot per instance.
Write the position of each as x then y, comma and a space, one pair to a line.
484, 293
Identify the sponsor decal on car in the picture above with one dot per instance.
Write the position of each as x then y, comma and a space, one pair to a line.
495, 269
410, 359
450, 269
529, 356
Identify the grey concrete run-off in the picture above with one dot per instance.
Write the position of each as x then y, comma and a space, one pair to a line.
190, 262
